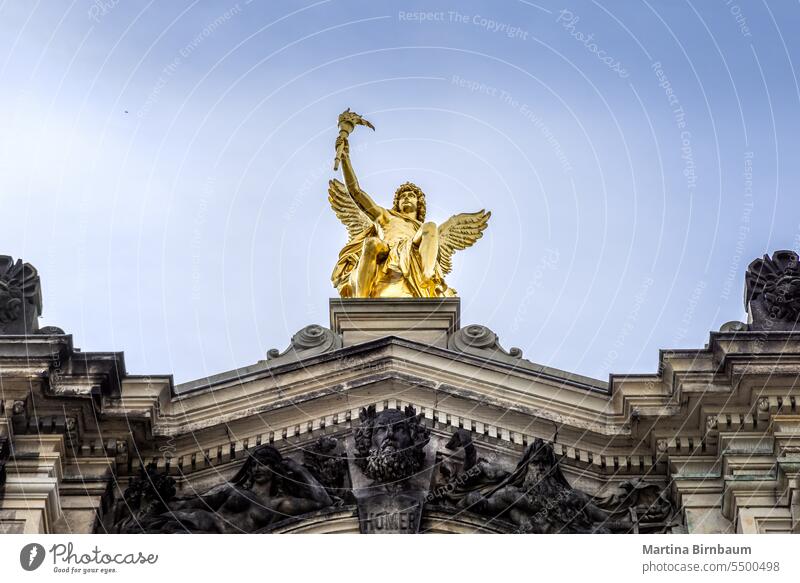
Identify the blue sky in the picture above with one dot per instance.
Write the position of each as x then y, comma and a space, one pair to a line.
165, 165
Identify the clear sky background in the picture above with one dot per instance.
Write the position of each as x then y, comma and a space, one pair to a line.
165, 164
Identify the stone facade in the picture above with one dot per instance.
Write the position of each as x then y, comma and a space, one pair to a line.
398, 419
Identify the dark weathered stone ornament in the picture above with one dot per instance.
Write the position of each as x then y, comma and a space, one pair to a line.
144, 500
390, 444
20, 297
474, 474
772, 292
5, 452
645, 506
536, 497
267, 489
390, 454
328, 465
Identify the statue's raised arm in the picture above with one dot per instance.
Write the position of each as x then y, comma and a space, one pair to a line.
347, 122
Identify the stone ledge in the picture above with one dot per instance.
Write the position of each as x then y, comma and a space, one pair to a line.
430, 321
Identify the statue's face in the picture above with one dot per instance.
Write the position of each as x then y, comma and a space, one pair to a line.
391, 433
262, 474
407, 202
392, 455
390, 444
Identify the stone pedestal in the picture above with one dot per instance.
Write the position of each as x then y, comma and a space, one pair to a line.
394, 507
429, 321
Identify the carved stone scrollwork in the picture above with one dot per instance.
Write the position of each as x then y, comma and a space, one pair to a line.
481, 341
309, 341
772, 292
50, 331
20, 297
734, 326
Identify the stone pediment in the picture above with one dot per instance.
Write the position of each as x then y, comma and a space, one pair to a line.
716, 424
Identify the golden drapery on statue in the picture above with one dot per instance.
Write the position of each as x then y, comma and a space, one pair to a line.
393, 253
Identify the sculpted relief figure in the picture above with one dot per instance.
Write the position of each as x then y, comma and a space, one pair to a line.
391, 444
267, 489
393, 252
772, 292
20, 296
474, 475
537, 498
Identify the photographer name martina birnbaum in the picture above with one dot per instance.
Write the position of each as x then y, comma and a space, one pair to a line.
695, 550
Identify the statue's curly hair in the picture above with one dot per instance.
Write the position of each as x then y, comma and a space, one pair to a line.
420, 198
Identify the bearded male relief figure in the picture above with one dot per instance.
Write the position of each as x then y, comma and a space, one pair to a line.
390, 444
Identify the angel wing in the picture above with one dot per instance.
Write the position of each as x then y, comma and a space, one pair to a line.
459, 232
346, 209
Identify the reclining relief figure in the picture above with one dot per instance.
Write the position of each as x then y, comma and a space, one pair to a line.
267, 489
536, 497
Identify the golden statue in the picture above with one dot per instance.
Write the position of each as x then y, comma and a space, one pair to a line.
393, 253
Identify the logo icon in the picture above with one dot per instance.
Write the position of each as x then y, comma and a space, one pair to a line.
31, 556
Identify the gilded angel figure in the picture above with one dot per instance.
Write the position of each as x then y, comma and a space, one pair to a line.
393, 252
